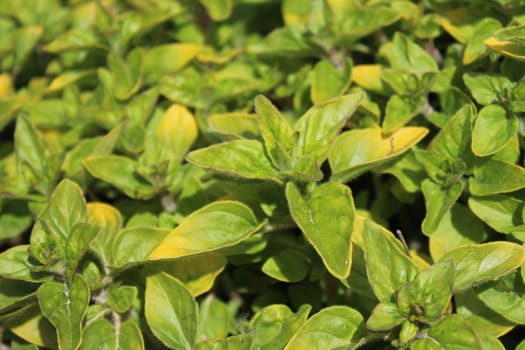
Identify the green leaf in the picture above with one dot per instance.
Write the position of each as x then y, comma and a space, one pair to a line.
459, 226
329, 81
493, 176
487, 88
428, 296
319, 126
170, 136
384, 317
326, 218
109, 220
501, 212
127, 73
493, 130
219, 10
387, 264
101, 334
14, 219
508, 41
274, 325
438, 200
332, 327
197, 272
454, 139
484, 262
217, 225
31, 153
56, 223
29, 324
506, 297
440, 169
368, 148
76, 39
215, 318
77, 244
120, 172
162, 60
475, 48
453, 333
65, 307
405, 55
237, 342
243, 158
134, 245
14, 295
352, 23
16, 263
137, 23
483, 319
234, 125
399, 110
171, 311
289, 265
276, 132
121, 298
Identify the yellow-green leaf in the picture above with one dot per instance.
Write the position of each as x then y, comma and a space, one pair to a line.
493, 176
369, 148
331, 328
484, 262
217, 225
109, 220
508, 41
197, 272
243, 158
326, 217
330, 81
65, 307
171, 311
167, 59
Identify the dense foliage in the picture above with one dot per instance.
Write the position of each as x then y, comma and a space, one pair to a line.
262, 174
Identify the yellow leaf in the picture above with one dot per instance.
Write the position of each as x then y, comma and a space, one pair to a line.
242, 125
6, 86
365, 148
368, 76
175, 133
217, 225
506, 47
30, 325
197, 272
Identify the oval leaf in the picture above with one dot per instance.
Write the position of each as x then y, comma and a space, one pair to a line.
493, 176
484, 262
330, 328
65, 307
387, 264
369, 148
243, 158
319, 126
217, 225
326, 218
493, 130
171, 311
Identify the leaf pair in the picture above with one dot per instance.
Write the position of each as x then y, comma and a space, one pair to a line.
169, 137
287, 152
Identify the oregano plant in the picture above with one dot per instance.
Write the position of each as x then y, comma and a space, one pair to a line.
262, 174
